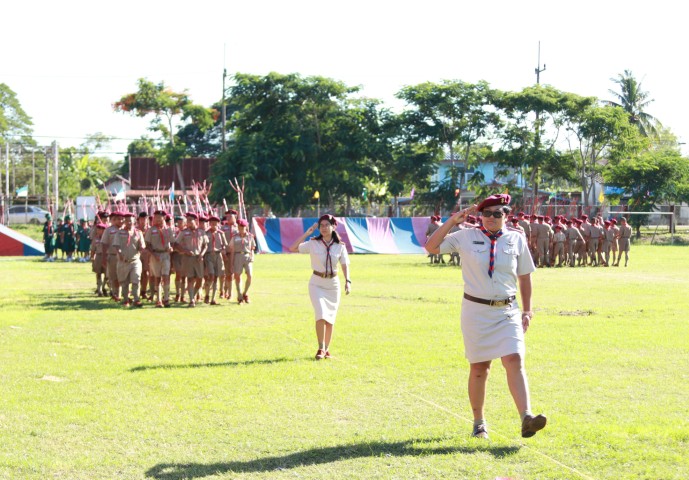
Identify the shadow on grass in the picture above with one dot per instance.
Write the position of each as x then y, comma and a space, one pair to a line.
72, 301
318, 456
172, 366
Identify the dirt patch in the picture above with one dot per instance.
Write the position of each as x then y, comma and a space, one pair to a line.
577, 313
52, 378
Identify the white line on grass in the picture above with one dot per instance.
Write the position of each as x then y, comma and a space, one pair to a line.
454, 414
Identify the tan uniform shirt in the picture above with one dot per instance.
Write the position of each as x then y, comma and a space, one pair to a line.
159, 239
108, 238
192, 241
129, 244
244, 244
217, 241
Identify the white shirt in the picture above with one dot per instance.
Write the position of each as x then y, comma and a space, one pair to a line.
512, 258
317, 249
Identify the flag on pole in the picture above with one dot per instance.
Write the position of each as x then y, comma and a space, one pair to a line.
601, 197
120, 196
23, 191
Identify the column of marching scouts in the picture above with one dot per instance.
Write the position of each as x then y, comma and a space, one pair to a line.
559, 241
134, 256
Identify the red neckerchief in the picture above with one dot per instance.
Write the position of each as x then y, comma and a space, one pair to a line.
493, 241
328, 258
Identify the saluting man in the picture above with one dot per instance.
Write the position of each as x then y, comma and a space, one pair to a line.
129, 243
495, 259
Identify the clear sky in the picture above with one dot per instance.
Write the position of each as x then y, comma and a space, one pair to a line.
68, 61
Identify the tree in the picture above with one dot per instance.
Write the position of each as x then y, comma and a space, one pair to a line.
600, 134
82, 170
171, 111
14, 122
530, 137
291, 136
633, 100
450, 116
653, 177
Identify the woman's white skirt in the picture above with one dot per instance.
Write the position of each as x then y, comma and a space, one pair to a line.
325, 297
491, 332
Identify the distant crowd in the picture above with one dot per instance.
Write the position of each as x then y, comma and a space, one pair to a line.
560, 241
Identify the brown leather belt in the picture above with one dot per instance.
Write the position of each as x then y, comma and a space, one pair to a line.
492, 303
324, 275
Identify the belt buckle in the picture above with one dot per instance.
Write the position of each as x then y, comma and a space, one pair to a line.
498, 303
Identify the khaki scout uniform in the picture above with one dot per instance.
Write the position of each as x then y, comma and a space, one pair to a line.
229, 231
624, 236
559, 239
609, 237
575, 241
193, 244
159, 242
543, 237
110, 254
129, 244
215, 261
243, 248
595, 235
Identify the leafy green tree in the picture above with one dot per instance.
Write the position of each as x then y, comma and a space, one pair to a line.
534, 120
451, 116
82, 171
633, 100
650, 179
171, 111
291, 136
14, 122
600, 135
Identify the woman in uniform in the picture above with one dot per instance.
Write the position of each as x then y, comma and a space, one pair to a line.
495, 259
242, 247
326, 251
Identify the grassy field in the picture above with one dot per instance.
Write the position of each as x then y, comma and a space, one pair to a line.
89, 390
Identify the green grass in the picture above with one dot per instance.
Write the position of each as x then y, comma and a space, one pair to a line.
89, 390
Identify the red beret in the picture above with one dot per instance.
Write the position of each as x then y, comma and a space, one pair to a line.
613, 221
127, 215
558, 226
214, 218
584, 217
500, 199
191, 215
160, 212
231, 212
242, 222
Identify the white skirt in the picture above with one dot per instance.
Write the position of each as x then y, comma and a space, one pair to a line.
325, 297
491, 332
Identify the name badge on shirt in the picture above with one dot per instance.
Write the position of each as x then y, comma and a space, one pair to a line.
476, 242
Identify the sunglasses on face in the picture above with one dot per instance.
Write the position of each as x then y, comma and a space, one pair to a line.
496, 214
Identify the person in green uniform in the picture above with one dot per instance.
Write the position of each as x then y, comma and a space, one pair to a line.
68, 238
58, 239
48, 238
83, 240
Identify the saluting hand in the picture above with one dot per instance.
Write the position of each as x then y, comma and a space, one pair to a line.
311, 229
461, 216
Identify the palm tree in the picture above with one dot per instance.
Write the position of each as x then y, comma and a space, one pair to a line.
634, 100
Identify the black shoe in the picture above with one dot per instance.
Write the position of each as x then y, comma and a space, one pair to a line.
480, 431
531, 424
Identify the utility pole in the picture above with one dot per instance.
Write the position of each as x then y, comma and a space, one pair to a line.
222, 106
47, 180
537, 141
56, 156
7, 171
33, 171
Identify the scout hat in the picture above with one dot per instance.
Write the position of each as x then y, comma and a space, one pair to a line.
191, 215
500, 199
329, 218
242, 223
213, 218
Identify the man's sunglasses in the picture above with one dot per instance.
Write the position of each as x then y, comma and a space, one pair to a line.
496, 214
